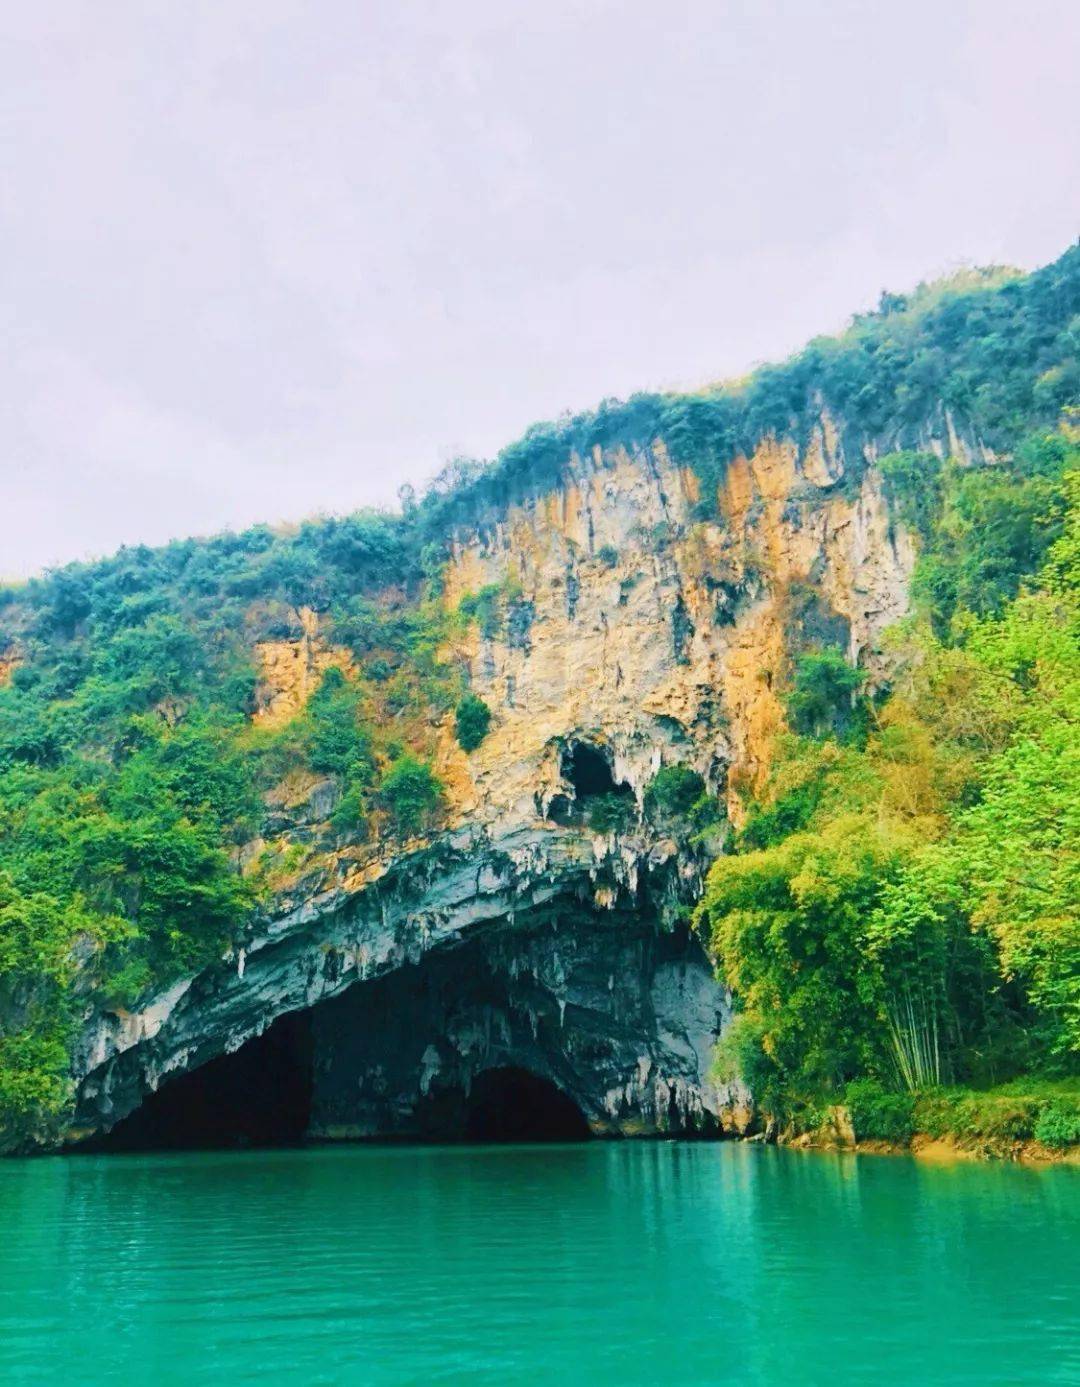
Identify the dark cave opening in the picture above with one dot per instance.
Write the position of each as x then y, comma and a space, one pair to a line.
258, 1096
589, 771
473, 1042
511, 1104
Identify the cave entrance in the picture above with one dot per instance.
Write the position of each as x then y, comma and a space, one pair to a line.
588, 770
511, 1104
258, 1096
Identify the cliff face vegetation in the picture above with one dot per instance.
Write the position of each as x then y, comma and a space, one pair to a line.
439, 792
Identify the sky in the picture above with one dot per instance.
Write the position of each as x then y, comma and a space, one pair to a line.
264, 259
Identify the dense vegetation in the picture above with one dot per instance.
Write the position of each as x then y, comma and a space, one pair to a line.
903, 909
140, 804
137, 796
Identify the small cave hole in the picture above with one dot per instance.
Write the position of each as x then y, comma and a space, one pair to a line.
258, 1096
589, 771
511, 1104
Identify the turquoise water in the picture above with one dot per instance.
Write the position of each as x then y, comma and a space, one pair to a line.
624, 1263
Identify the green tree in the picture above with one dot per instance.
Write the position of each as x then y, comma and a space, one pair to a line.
787, 927
471, 721
821, 699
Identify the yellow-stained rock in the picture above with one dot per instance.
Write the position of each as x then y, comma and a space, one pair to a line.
640, 651
9, 663
290, 670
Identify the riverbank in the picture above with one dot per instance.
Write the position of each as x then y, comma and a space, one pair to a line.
1032, 1121
942, 1149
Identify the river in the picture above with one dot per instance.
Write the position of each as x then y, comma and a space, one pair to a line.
609, 1263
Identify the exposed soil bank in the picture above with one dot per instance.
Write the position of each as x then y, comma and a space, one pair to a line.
938, 1149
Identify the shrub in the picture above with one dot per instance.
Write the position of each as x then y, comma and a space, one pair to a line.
34, 1081
1058, 1124
674, 791
337, 745
1009, 1120
471, 721
411, 793
740, 1055
402, 694
994, 1116
913, 488
200, 766
350, 814
769, 824
611, 813
124, 987
485, 608
877, 1114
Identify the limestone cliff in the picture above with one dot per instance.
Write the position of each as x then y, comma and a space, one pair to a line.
635, 636
187, 731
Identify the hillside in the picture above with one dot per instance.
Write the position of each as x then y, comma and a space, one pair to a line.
820, 627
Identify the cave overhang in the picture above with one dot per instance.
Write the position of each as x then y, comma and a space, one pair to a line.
514, 910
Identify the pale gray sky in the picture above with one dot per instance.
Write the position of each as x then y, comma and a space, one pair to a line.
265, 258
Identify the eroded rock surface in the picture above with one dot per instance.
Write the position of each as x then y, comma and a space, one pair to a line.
618, 1015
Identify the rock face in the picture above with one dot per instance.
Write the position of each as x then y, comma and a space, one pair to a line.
661, 635
518, 938
618, 1015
